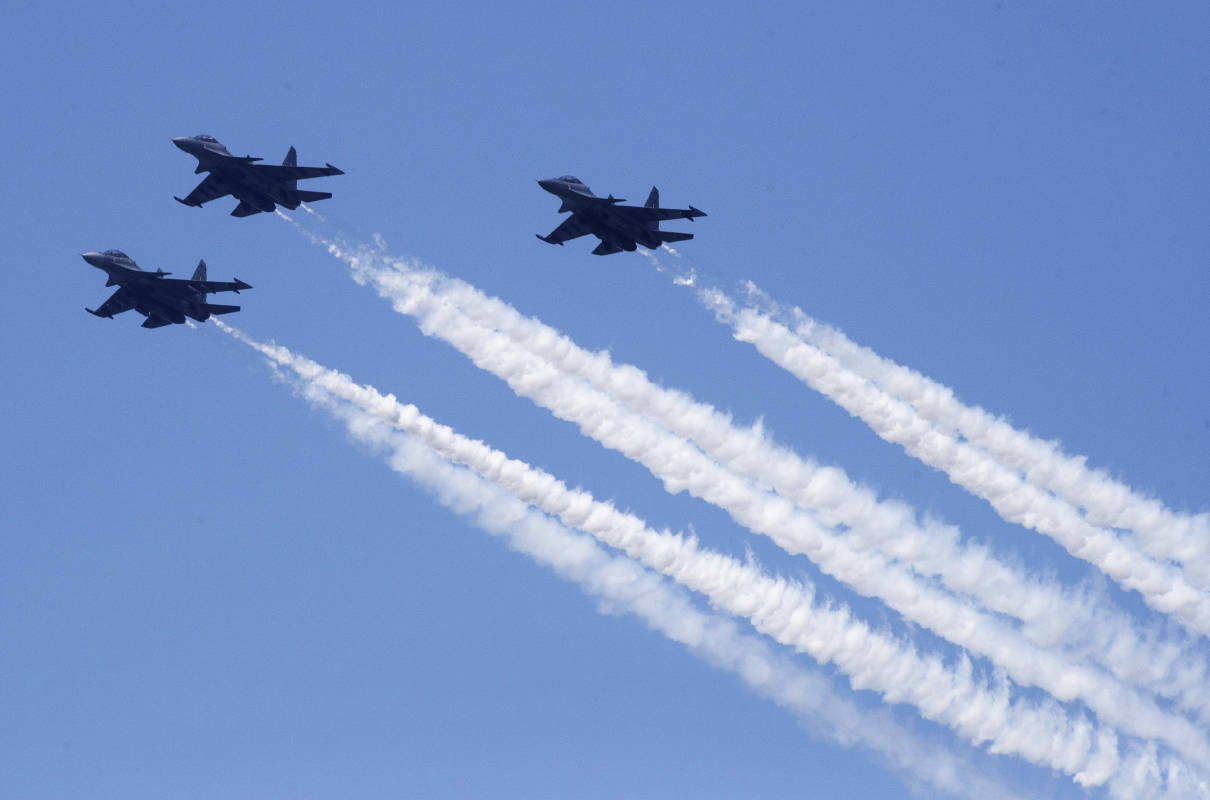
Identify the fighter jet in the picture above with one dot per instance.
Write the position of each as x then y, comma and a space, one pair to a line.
256, 186
618, 227
162, 300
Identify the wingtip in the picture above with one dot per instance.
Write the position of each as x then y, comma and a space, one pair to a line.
336, 170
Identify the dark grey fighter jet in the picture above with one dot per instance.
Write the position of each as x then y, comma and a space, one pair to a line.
162, 300
256, 186
618, 227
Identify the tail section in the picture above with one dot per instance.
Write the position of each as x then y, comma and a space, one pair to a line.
199, 274
311, 197
291, 160
653, 201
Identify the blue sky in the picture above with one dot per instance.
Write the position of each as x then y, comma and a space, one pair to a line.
207, 589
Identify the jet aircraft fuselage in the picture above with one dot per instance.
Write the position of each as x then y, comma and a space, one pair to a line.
258, 187
162, 300
618, 227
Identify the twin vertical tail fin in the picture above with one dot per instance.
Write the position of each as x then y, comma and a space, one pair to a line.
653, 201
291, 160
199, 274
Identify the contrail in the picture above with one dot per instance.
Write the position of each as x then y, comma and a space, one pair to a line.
1103, 501
1161, 532
1088, 629
1098, 633
1116, 705
784, 610
427, 295
619, 582
1162, 585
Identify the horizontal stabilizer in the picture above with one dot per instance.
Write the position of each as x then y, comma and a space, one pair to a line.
155, 322
673, 236
244, 210
215, 308
311, 197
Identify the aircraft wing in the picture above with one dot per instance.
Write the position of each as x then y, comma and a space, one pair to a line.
643, 214
182, 288
118, 302
210, 287
572, 228
288, 173
209, 189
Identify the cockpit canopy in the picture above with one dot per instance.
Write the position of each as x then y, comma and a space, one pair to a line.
571, 179
115, 254
202, 137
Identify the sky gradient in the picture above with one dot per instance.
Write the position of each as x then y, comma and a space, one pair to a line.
209, 586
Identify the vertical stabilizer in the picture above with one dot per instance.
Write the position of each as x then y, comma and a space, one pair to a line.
291, 160
653, 201
199, 274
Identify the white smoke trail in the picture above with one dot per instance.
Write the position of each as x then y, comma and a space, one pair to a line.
1162, 586
1104, 502
1089, 629
713, 638
781, 609
1161, 532
1031, 666
438, 302
985, 462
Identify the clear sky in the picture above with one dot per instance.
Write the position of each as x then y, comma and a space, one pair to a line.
208, 589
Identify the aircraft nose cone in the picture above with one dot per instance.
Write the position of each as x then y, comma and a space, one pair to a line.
548, 184
94, 258
181, 142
